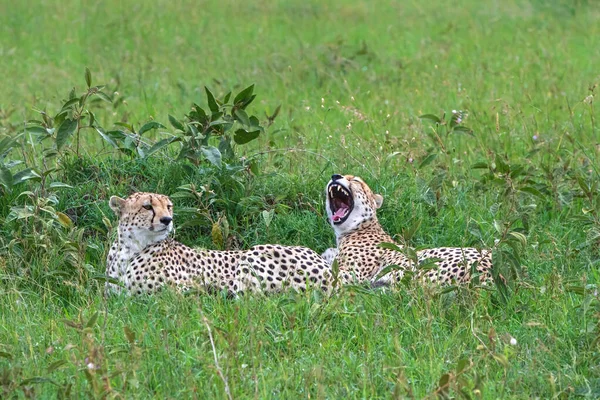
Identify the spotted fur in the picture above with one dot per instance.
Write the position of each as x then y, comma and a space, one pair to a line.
359, 234
143, 258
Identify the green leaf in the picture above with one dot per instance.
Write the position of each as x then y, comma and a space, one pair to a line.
37, 379
532, 190
4, 354
218, 122
104, 97
501, 166
57, 185
242, 116
246, 103
427, 160
520, 237
480, 165
107, 138
212, 103
464, 129
242, 136
244, 95
498, 226
198, 114
69, 104
176, 124
501, 358
255, 123
386, 270
410, 232
390, 246
6, 144
125, 125
461, 365
268, 217
448, 289
92, 320
129, 334
6, 178
227, 97
444, 386
271, 118
213, 155
431, 117
64, 219
65, 130
92, 118
161, 144
25, 175
429, 264
149, 126
56, 365
88, 77
225, 147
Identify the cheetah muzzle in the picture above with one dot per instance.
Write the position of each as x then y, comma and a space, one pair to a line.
341, 202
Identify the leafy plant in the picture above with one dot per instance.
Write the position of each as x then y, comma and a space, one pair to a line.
131, 141
8, 179
221, 118
71, 119
445, 125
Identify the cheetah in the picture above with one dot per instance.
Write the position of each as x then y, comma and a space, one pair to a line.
351, 208
144, 259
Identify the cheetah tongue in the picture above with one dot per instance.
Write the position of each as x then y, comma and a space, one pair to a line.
339, 214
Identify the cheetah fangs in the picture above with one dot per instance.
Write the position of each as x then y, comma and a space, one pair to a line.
340, 202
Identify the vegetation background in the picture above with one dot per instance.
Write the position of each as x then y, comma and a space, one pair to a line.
360, 87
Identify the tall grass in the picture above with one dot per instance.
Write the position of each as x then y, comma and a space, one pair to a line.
352, 80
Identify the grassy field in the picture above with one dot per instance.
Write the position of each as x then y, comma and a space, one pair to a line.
520, 175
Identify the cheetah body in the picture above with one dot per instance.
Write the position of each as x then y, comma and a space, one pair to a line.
143, 259
351, 207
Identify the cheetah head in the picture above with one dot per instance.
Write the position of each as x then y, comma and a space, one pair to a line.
350, 203
144, 218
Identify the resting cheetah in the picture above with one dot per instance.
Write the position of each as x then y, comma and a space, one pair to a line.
351, 207
144, 259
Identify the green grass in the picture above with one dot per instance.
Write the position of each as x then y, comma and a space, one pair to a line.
352, 80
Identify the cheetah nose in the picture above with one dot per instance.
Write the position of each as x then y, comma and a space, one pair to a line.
335, 177
166, 220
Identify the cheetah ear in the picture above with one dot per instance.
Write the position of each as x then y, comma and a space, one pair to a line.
116, 203
378, 200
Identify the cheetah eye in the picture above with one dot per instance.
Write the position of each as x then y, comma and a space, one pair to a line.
170, 206
147, 206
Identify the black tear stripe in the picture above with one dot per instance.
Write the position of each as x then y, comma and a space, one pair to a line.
153, 212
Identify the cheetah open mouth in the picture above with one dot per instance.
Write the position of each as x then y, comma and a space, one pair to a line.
340, 203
